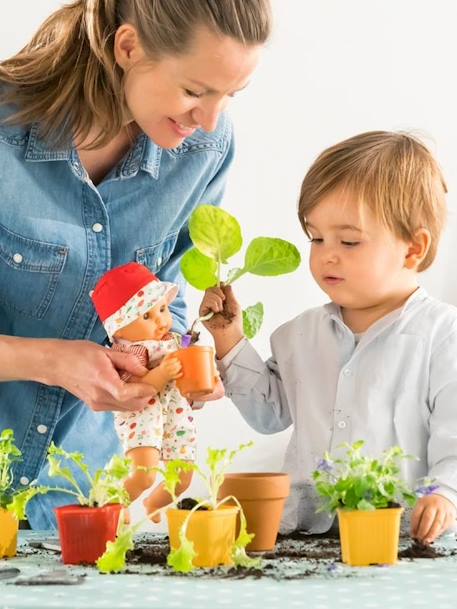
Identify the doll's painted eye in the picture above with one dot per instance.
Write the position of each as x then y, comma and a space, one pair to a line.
146, 316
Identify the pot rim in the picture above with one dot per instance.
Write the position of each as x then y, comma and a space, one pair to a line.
255, 475
76, 508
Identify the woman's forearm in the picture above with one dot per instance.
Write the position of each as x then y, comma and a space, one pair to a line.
24, 359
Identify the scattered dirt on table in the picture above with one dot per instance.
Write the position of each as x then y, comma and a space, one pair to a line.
421, 550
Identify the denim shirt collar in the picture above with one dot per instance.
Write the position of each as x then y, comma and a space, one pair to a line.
145, 155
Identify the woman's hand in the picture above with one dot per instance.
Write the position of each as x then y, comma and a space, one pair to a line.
89, 372
226, 326
432, 516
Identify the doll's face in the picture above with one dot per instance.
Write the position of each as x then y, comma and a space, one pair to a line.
152, 325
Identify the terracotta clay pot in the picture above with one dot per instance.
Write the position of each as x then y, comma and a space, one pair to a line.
199, 370
262, 496
211, 531
369, 537
8, 533
84, 531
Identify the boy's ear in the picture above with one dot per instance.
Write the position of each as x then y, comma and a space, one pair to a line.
418, 248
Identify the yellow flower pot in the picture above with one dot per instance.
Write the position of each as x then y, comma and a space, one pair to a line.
211, 531
8, 533
369, 538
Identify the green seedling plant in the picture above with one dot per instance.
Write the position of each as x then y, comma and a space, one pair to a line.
358, 482
13, 501
216, 236
181, 558
105, 486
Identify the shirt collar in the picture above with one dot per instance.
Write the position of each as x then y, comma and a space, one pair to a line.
145, 154
334, 312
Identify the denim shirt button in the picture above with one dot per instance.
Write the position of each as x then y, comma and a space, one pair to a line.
97, 227
42, 429
91, 293
18, 258
24, 480
159, 262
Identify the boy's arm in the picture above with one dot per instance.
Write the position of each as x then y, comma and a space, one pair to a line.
435, 513
253, 385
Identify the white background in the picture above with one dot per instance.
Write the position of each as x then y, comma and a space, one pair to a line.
331, 70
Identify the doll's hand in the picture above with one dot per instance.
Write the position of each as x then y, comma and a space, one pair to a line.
226, 325
431, 517
170, 368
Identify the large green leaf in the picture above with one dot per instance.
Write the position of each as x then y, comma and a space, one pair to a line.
215, 232
252, 320
271, 256
199, 270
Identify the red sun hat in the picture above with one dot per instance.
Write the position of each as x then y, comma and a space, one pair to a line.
126, 292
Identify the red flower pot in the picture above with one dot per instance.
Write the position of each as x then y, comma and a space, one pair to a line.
84, 531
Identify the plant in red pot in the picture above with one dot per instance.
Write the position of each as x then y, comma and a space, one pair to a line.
86, 526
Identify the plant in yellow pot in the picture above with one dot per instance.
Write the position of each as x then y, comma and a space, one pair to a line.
12, 502
367, 494
202, 533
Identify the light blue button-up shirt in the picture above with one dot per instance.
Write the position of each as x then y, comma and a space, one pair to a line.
396, 386
58, 235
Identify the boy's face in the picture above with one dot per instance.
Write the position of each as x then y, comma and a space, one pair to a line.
152, 325
358, 262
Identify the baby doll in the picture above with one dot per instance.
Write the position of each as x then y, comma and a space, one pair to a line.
132, 304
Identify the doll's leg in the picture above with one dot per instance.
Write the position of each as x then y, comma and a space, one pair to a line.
142, 457
161, 497
178, 443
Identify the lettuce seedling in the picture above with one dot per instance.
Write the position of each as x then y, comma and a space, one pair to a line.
216, 236
10, 499
357, 482
106, 485
218, 461
180, 559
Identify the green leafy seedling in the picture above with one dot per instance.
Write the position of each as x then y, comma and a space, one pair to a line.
358, 482
105, 486
216, 236
181, 558
10, 499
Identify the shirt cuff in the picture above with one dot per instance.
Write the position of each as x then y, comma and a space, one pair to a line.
224, 364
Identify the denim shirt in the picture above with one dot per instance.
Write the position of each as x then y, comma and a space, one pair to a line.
58, 235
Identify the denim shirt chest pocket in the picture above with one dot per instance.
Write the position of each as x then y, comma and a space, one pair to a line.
156, 256
29, 272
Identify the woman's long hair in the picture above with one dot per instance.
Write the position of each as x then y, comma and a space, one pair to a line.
67, 79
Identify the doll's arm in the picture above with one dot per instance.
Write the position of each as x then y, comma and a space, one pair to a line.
169, 369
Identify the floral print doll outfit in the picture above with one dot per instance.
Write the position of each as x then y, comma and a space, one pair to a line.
167, 424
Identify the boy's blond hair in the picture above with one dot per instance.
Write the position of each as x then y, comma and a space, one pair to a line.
393, 173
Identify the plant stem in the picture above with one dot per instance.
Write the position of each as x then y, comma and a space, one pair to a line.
199, 319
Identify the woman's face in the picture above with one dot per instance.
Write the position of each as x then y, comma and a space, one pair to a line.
172, 97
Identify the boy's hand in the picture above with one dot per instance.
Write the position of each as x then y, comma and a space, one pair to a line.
226, 325
431, 517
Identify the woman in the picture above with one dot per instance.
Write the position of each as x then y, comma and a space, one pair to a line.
111, 132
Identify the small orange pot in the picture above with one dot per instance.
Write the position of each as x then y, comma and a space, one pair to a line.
8, 533
369, 538
211, 531
198, 370
262, 496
